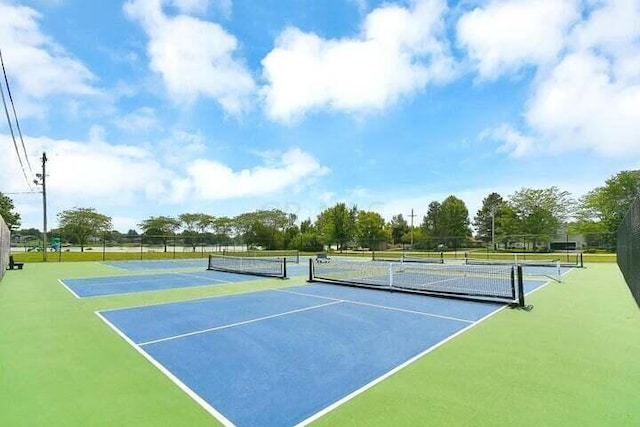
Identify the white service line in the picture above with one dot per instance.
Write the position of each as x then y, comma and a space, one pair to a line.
202, 277
244, 322
457, 319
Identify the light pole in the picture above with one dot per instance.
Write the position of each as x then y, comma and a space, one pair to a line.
411, 216
493, 228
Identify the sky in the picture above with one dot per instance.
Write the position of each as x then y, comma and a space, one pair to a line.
162, 107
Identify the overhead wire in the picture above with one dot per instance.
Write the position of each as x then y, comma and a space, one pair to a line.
15, 115
10, 124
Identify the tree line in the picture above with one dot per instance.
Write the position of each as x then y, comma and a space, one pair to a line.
536, 214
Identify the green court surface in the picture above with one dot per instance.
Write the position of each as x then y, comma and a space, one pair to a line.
573, 360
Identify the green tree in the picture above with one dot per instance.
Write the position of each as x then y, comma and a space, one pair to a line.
487, 219
223, 228
399, 228
160, 227
454, 217
82, 223
370, 230
610, 203
337, 225
271, 229
431, 229
194, 224
8, 213
541, 211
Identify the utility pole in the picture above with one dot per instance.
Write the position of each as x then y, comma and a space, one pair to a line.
411, 216
42, 180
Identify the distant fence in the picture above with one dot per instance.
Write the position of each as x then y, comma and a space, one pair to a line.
106, 248
5, 246
628, 249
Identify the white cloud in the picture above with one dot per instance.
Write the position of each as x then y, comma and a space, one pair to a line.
506, 35
213, 180
124, 223
194, 57
513, 142
613, 25
142, 119
581, 105
37, 66
399, 51
587, 98
111, 177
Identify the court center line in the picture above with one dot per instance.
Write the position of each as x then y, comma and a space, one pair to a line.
457, 319
244, 322
202, 277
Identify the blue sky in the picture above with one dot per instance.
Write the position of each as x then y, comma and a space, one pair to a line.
161, 107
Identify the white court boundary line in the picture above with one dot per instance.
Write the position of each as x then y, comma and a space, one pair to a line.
193, 395
141, 278
226, 422
383, 377
221, 282
69, 289
384, 307
244, 322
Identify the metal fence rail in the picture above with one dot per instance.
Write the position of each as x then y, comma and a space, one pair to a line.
628, 249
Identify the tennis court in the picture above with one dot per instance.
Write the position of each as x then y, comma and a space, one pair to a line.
66, 367
159, 264
286, 356
114, 285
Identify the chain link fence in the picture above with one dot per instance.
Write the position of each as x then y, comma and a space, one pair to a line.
628, 250
5, 246
117, 246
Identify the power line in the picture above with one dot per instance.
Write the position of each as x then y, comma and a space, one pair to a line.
15, 115
13, 137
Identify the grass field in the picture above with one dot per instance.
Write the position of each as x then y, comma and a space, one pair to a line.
99, 255
573, 360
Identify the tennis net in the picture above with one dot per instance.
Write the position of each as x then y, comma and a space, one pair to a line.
403, 257
257, 266
498, 283
573, 260
290, 255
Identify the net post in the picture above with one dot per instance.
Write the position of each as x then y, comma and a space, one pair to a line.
441, 257
466, 257
209, 263
284, 267
520, 286
310, 279
581, 260
373, 255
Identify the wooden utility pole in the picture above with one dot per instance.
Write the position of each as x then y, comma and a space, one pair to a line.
42, 180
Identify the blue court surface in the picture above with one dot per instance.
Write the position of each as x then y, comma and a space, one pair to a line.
159, 264
287, 356
112, 285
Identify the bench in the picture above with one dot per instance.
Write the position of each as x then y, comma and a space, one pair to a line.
14, 265
322, 258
